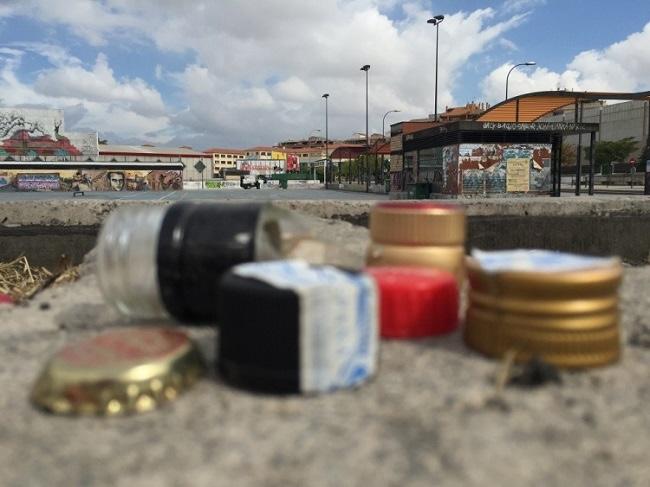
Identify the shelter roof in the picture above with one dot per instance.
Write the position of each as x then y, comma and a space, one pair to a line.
530, 107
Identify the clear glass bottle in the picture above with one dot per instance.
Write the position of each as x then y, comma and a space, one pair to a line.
166, 261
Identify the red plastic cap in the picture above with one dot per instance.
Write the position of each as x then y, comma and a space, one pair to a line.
416, 302
5, 299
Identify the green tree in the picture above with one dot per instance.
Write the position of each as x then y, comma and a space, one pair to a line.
607, 151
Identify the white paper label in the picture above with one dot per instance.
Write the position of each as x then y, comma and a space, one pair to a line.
538, 261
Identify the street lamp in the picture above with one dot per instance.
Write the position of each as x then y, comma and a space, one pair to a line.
327, 157
383, 135
366, 68
527, 63
436, 21
383, 121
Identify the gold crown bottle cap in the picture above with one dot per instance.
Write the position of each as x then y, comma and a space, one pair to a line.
409, 223
559, 306
119, 372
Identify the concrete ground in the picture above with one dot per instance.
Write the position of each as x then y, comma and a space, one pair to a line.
263, 194
208, 195
432, 416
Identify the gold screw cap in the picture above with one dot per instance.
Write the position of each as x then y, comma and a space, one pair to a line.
577, 347
599, 280
450, 258
410, 223
559, 306
119, 372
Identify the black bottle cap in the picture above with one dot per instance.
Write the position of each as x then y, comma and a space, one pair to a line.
198, 242
289, 327
259, 336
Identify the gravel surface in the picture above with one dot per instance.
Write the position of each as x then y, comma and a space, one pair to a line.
432, 415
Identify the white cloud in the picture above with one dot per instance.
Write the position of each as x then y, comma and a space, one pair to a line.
507, 44
119, 120
623, 66
90, 19
293, 89
56, 55
312, 50
96, 99
100, 85
520, 5
256, 70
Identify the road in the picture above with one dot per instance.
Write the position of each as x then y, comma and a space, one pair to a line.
221, 194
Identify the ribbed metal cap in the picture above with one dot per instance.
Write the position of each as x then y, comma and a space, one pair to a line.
578, 283
564, 346
560, 307
410, 223
450, 258
119, 372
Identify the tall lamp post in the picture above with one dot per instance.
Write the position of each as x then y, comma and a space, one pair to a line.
383, 134
366, 68
527, 63
383, 121
436, 20
327, 155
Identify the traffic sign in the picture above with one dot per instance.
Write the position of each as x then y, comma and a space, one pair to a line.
199, 166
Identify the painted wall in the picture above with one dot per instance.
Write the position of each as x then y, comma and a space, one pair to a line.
278, 155
265, 167
450, 169
476, 169
90, 180
26, 133
500, 168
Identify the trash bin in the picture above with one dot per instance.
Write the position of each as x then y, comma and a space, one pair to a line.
419, 191
283, 183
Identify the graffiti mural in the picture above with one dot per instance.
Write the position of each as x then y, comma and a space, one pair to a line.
450, 169
484, 167
13, 120
37, 134
90, 180
37, 182
396, 181
6, 180
539, 157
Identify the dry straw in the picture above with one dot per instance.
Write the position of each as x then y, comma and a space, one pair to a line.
21, 281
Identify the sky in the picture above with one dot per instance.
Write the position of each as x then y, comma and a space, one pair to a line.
241, 73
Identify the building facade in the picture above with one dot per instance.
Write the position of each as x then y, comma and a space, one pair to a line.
184, 157
223, 159
617, 121
36, 154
